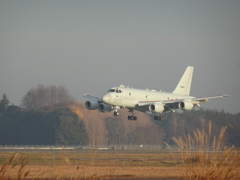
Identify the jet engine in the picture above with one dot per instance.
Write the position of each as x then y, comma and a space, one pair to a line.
91, 104
156, 108
104, 108
186, 105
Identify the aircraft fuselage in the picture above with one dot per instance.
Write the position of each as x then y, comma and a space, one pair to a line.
130, 97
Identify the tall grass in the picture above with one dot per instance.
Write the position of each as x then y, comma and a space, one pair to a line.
204, 158
14, 168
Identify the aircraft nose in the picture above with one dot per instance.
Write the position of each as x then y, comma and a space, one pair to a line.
107, 98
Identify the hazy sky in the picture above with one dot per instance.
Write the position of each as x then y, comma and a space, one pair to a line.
90, 46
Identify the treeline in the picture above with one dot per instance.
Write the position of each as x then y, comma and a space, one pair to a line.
67, 122
104, 128
37, 127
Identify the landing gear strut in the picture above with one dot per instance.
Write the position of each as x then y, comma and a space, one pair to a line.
158, 118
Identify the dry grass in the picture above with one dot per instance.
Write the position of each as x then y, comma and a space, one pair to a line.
203, 157
15, 166
208, 161
102, 165
93, 165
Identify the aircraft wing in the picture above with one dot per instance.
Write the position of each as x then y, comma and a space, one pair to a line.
195, 99
145, 103
207, 98
92, 97
172, 103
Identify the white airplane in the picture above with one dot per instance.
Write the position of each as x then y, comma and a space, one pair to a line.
147, 100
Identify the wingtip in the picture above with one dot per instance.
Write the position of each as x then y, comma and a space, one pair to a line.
226, 95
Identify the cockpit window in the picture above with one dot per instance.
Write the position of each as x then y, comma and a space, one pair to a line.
115, 90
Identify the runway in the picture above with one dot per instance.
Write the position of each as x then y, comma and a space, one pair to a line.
102, 150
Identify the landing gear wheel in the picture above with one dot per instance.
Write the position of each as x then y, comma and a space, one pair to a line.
116, 113
134, 118
159, 118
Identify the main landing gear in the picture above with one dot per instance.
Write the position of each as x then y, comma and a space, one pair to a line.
134, 118
158, 118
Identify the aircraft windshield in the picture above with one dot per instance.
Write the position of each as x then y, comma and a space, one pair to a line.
111, 90
115, 90
118, 91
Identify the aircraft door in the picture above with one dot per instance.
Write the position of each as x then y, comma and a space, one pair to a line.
117, 97
118, 94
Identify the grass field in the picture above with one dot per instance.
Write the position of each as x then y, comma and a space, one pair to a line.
92, 165
95, 164
209, 161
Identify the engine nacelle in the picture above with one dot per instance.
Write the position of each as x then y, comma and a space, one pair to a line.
186, 105
104, 108
156, 108
91, 104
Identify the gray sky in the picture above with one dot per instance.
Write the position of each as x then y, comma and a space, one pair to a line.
90, 46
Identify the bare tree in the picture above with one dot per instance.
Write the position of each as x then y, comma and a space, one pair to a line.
29, 100
45, 97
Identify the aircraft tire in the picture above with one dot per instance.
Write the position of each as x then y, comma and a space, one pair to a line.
116, 113
133, 118
158, 118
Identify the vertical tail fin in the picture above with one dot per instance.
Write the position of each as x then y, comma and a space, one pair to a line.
184, 84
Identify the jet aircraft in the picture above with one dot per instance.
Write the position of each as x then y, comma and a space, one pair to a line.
156, 102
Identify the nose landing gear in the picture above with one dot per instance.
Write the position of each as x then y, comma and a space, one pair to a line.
115, 108
116, 113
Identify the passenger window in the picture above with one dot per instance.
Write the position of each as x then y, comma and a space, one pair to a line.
129, 94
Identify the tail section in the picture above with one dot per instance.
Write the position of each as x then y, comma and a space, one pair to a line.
184, 84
